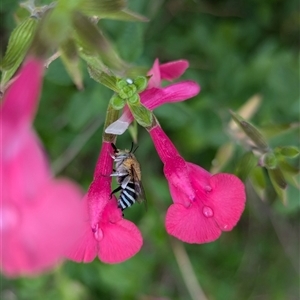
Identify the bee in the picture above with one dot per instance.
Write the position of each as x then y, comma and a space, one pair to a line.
128, 174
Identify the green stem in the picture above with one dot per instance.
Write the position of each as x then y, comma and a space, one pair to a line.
112, 115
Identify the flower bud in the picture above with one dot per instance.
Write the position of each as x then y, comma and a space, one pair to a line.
269, 160
141, 83
117, 102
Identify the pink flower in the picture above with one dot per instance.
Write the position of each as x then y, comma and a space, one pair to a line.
155, 96
204, 204
107, 234
39, 215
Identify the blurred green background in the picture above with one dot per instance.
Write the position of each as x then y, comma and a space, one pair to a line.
236, 49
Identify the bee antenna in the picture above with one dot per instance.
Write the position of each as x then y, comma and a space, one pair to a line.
131, 147
135, 149
114, 147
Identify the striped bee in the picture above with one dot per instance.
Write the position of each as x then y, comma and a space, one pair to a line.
128, 175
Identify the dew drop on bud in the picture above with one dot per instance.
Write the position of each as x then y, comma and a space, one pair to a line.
129, 81
207, 212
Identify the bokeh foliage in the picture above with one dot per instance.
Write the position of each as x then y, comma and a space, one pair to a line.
236, 49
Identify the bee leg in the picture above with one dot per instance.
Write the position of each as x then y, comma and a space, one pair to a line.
119, 188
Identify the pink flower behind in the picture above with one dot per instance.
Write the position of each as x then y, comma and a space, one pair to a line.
155, 95
106, 234
204, 204
39, 215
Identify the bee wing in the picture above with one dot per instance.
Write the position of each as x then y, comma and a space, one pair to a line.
139, 188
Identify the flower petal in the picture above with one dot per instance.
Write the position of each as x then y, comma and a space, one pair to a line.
121, 241
26, 171
21, 99
173, 70
228, 197
154, 72
181, 91
45, 231
190, 225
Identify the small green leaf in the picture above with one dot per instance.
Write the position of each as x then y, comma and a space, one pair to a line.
288, 151
55, 29
19, 43
258, 177
100, 7
141, 114
245, 165
251, 132
277, 178
287, 167
222, 157
258, 180
92, 42
102, 77
71, 61
124, 15
279, 184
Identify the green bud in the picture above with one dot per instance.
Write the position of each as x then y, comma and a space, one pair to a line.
141, 114
19, 43
127, 88
289, 151
269, 160
141, 83
135, 99
252, 132
117, 102
121, 83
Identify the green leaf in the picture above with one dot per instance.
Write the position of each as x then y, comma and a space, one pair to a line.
93, 42
279, 184
102, 77
277, 178
100, 7
251, 132
55, 29
71, 61
141, 114
287, 167
258, 180
245, 165
288, 151
19, 43
124, 15
222, 157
